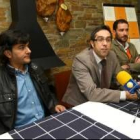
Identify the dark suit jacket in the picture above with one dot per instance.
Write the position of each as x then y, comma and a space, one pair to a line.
84, 83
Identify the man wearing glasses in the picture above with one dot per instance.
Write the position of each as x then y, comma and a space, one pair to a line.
93, 71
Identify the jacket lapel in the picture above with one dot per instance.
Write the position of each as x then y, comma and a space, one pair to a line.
118, 45
95, 65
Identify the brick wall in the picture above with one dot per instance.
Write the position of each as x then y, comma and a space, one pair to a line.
138, 12
87, 14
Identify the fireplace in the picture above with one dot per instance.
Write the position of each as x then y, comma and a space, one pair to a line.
24, 17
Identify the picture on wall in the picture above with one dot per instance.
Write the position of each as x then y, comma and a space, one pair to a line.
113, 12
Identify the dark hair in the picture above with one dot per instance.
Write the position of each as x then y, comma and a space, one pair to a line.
8, 39
99, 28
115, 24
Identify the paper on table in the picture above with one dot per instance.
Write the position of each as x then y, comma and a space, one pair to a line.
5, 136
111, 117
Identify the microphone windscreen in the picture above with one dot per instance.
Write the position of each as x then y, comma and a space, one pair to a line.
123, 77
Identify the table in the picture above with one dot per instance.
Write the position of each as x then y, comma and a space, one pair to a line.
120, 119
90, 120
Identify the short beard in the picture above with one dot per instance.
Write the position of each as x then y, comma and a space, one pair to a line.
121, 41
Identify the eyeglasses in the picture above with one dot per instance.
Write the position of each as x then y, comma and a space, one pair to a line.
101, 39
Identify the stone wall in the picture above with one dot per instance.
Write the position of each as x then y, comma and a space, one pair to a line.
87, 14
138, 13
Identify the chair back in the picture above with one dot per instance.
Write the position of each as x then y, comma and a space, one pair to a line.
61, 82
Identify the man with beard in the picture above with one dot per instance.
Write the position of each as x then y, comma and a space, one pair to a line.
93, 71
125, 51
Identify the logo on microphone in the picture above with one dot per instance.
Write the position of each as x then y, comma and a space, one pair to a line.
130, 84
126, 80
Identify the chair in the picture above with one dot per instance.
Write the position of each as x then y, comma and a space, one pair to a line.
61, 82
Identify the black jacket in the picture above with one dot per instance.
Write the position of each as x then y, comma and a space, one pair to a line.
9, 99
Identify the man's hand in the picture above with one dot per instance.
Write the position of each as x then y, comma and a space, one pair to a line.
130, 96
59, 108
137, 60
125, 67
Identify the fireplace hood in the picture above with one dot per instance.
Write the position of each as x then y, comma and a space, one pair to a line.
24, 17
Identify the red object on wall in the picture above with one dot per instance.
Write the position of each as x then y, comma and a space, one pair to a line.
63, 17
45, 8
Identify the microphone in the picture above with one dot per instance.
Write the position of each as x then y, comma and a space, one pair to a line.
126, 80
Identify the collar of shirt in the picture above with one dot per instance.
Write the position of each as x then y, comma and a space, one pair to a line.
124, 47
97, 58
17, 71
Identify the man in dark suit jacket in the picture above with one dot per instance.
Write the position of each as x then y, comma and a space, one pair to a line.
85, 82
